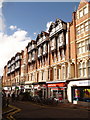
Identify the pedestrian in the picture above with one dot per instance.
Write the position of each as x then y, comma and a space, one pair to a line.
7, 101
13, 97
16, 96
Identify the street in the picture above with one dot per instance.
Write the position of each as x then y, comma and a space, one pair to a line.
31, 110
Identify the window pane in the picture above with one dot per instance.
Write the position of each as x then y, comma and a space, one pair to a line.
81, 13
85, 10
84, 72
89, 71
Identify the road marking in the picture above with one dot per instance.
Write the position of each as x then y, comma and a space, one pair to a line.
10, 115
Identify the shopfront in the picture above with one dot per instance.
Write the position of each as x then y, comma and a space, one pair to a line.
43, 89
40, 89
28, 86
35, 89
57, 89
79, 91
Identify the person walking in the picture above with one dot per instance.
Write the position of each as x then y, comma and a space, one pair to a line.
13, 97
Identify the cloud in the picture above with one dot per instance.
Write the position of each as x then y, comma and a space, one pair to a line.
12, 27
48, 25
11, 44
2, 25
34, 33
1, 2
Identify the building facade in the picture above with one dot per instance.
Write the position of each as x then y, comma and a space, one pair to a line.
78, 89
57, 63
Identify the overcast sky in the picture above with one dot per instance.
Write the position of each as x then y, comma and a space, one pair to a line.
22, 21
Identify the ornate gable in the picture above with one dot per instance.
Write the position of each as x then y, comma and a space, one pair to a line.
82, 4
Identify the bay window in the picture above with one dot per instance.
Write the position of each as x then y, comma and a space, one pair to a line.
44, 48
39, 51
53, 44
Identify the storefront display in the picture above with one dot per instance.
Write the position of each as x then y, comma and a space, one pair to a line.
57, 90
79, 91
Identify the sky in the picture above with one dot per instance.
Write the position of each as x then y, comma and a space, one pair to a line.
20, 22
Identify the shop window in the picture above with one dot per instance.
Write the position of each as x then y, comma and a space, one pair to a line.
82, 94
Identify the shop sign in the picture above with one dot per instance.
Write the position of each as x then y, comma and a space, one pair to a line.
57, 85
80, 83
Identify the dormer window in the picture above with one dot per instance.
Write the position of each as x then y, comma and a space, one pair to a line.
80, 13
85, 10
